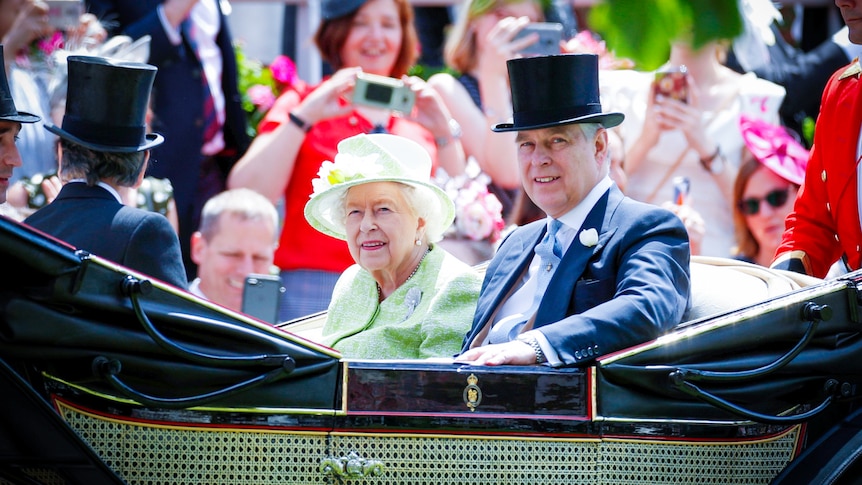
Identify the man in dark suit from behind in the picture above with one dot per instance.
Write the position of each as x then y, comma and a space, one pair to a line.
105, 148
192, 48
602, 272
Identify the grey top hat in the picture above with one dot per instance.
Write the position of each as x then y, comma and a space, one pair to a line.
555, 90
8, 112
106, 105
331, 9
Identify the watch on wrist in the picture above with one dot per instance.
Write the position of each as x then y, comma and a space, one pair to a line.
714, 164
534, 343
454, 134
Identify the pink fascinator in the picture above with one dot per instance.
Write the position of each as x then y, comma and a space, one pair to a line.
775, 148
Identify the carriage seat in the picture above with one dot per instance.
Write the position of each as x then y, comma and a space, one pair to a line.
719, 285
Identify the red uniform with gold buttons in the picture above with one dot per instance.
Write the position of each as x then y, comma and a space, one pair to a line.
824, 225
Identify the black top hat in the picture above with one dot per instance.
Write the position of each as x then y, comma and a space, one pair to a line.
106, 105
556, 90
8, 112
330, 9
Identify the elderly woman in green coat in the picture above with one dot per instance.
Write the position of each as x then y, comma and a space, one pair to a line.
405, 298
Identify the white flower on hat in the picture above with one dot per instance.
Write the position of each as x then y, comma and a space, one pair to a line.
346, 168
589, 237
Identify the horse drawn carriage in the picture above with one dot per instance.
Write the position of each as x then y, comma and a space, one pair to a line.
108, 377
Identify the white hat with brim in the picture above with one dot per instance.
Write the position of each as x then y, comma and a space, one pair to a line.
363, 159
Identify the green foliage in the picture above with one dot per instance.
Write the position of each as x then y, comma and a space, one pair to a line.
642, 30
808, 130
251, 73
424, 72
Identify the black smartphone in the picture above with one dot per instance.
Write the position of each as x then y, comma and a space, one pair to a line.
550, 35
261, 295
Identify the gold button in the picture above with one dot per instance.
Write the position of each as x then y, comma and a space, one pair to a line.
823, 175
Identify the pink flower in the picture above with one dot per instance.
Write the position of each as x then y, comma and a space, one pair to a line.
261, 96
283, 70
50, 44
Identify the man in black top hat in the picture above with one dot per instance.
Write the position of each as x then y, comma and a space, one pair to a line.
602, 272
10, 125
105, 148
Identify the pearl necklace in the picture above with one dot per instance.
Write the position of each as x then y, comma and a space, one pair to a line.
380, 291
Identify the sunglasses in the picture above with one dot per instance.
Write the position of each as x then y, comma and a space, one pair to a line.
776, 198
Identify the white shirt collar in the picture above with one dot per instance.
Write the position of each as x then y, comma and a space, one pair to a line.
574, 219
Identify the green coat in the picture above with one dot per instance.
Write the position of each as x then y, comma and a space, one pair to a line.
446, 289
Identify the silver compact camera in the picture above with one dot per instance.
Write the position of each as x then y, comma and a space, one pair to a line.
383, 92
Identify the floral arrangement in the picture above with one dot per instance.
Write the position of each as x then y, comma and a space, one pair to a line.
260, 85
585, 42
478, 212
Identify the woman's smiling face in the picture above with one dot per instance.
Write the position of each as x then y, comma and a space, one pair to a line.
375, 38
381, 227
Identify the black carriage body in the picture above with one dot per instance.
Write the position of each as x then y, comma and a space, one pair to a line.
154, 385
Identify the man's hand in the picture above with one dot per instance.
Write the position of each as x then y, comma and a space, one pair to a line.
511, 353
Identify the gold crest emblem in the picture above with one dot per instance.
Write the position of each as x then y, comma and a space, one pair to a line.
472, 393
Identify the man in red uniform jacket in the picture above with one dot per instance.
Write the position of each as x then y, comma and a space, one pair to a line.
825, 224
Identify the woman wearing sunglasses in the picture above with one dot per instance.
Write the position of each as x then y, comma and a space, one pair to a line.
773, 168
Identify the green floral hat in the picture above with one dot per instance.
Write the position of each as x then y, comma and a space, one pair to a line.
363, 159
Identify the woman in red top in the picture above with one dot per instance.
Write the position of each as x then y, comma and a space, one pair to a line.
304, 127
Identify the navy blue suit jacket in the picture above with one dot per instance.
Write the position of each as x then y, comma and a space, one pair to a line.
91, 218
178, 99
631, 287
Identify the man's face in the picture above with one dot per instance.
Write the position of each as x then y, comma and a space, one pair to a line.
9, 156
851, 11
559, 166
239, 248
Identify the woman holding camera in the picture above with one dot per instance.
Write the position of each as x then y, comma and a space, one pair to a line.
304, 127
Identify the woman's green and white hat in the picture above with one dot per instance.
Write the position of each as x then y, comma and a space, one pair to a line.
363, 159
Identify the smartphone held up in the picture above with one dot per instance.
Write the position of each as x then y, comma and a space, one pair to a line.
64, 14
671, 83
549, 36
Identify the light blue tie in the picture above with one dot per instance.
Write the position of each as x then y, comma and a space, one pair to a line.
550, 252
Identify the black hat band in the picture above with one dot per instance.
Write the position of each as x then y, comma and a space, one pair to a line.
541, 117
101, 134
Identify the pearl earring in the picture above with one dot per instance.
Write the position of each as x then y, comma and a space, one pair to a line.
418, 242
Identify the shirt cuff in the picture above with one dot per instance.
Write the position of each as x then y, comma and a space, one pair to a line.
172, 32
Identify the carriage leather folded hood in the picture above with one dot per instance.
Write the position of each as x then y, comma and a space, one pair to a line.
76, 316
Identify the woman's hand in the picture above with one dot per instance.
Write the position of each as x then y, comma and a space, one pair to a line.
671, 114
499, 45
692, 221
330, 99
31, 23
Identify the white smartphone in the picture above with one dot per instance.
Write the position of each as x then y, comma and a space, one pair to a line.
65, 14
